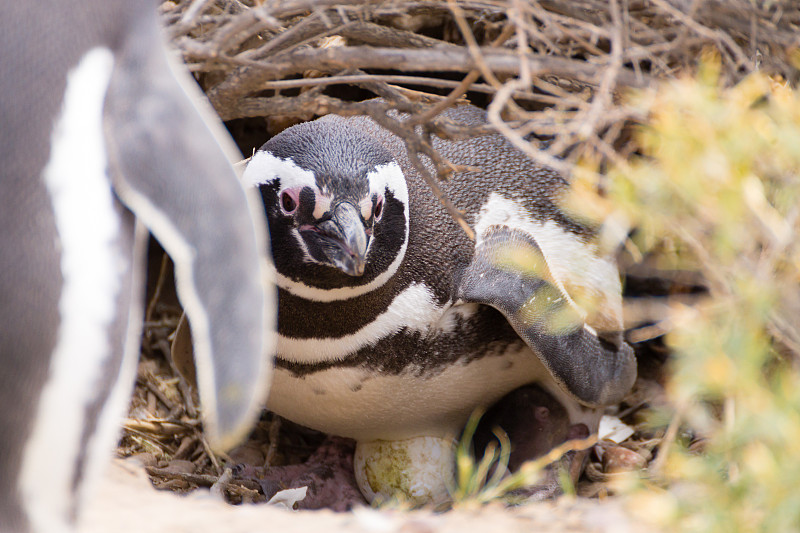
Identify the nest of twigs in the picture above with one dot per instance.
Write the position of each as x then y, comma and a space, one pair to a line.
551, 74
164, 428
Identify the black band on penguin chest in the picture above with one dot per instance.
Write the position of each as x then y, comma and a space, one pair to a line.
486, 333
299, 318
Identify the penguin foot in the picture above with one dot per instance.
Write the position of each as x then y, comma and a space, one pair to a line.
328, 474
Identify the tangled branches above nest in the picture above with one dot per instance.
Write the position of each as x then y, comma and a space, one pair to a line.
550, 71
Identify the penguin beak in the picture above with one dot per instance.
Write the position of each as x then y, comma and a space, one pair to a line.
346, 238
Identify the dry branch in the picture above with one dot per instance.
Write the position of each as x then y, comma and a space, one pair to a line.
554, 68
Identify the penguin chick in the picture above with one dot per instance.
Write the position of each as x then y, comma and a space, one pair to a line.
394, 326
533, 422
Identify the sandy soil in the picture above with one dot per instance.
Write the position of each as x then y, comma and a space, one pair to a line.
126, 502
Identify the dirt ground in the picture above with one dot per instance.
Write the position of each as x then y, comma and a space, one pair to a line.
126, 502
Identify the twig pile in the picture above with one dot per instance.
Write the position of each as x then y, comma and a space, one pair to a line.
551, 71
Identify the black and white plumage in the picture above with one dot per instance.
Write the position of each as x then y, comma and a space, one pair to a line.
99, 144
433, 325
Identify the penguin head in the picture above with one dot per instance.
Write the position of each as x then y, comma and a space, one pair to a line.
337, 205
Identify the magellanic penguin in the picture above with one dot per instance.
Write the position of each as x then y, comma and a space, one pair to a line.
394, 326
100, 143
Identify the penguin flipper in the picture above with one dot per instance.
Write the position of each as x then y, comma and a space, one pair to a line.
596, 371
169, 169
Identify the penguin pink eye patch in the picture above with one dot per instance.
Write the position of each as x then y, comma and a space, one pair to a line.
289, 200
367, 209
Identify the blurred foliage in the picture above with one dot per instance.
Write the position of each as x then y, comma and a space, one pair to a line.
486, 478
480, 480
716, 190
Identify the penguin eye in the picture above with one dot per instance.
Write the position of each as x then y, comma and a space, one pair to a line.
378, 208
289, 201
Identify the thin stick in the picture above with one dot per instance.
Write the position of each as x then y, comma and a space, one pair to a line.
657, 466
211, 456
162, 277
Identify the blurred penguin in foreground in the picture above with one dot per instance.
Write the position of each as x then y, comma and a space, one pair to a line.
99, 144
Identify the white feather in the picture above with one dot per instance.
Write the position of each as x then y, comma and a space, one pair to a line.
572, 261
264, 168
87, 225
415, 309
389, 177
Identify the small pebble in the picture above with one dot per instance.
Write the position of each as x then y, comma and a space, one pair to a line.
618, 459
181, 466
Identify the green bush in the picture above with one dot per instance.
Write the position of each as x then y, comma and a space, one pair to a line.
716, 190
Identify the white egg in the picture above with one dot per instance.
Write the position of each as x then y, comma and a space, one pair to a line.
417, 470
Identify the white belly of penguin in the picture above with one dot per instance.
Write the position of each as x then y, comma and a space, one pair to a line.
360, 404
364, 404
